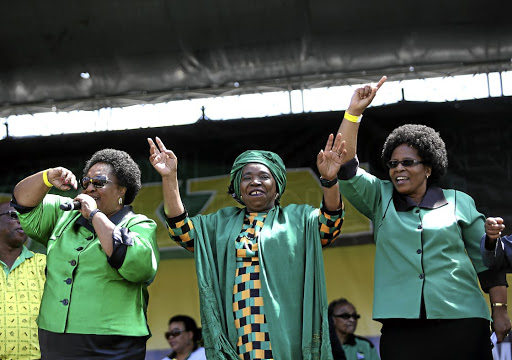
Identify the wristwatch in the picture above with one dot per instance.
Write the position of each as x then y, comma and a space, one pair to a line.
328, 183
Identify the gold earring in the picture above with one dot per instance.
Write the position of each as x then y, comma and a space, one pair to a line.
120, 201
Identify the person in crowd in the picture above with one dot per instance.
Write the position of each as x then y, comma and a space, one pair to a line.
21, 287
496, 249
427, 258
342, 326
101, 258
184, 338
259, 267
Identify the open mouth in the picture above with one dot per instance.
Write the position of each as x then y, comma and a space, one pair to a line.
401, 179
256, 193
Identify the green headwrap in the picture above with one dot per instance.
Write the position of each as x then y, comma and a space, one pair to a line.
271, 160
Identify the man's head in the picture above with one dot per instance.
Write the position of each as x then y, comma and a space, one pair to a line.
11, 233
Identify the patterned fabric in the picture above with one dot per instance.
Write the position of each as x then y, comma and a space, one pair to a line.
248, 308
182, 232
20, 298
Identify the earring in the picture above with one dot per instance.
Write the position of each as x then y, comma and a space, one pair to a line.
120, 201
277, 196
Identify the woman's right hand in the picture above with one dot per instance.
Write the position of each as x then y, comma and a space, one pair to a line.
62, 178
164, 161
363, 97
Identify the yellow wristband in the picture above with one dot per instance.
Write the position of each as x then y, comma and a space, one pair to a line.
353, 118
499, 304
45, 179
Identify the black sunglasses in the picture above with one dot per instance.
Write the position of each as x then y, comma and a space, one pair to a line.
173, 333
347, 316
406, 163
13, 214
97, 181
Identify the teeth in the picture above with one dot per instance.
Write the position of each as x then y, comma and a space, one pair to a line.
401, 178
257, 192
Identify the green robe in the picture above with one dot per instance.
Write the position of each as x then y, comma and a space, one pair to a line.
292, 281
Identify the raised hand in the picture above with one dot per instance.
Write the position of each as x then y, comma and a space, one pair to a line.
363, 97
164, 161
62, 178
329, 159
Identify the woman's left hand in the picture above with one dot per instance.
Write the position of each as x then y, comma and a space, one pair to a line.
500, 322
88, 205
330, 159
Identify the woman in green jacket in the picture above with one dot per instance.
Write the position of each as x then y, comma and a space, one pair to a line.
101, 257
259, 267
427, 259
345, 344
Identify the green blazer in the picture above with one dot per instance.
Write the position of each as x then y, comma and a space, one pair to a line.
84, 293
430, 251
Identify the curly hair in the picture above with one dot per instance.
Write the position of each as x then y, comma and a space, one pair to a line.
427, 141
126, 170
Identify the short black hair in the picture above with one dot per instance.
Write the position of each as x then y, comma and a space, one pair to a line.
190, 325
126, 170
431, 148
336, 348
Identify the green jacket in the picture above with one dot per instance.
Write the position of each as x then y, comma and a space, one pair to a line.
84, 293
430, 251
358, 348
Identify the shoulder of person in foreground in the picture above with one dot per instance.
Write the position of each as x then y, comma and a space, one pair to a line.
135, 218
198, 354
363, 340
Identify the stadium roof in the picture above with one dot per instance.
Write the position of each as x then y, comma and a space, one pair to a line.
71, 55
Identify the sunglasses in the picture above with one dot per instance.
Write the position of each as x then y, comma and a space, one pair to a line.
347, 316
97, 181
173, 333
405, 163
13, 214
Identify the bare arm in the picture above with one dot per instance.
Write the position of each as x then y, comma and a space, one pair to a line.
500, 320
360, 100
166, 163
30, 191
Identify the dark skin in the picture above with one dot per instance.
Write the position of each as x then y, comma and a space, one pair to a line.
12, 236
328, 162
361, 99
31, 191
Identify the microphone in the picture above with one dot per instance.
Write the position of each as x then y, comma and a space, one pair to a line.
75, 205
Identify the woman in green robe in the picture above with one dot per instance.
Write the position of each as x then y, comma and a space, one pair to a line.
259, 268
